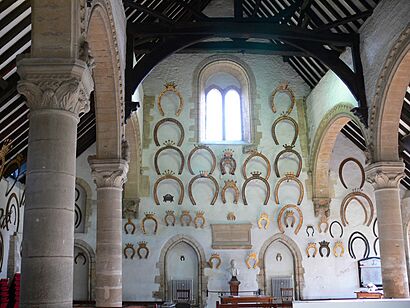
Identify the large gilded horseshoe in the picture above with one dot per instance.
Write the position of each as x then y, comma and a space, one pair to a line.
206, 176
252, 155
201, 147
283, 88
169, 147
290, 206
170, 87
169, 177
285, 118
256, 176
353, 196
288, 149
343, 163
171, 120
289, 177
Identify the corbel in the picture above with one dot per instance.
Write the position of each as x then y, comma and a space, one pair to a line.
323, 221
289, 177
199, 217
309, 247
169, 145
169, 175
170, 215
283, 88
264, 217
354, 236
354, 196
288, 149
287, 207
170, 120
252, 256
170, 87
205, 148
129, 223
310, 227
230, 184
338, 244
149, 216
331, 226
256, 175
324, 245
129, 247
321, 206
285, 117
203, 175
185, 218
216, 257
343, 163
227, 160
80, 254
252, 155
142, 246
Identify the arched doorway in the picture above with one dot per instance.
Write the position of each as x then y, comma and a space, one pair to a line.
84, 272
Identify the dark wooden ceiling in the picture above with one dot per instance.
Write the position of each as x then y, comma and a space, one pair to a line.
323, 17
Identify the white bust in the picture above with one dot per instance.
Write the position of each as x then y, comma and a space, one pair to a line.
233, 269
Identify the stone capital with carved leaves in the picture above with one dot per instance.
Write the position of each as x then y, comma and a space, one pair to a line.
385, 174
108, 172
59, 84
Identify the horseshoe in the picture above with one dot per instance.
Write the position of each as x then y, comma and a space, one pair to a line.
168, 176
201, 147
289, 206
341, 228
252, 155
216, 257
80, 254
169, 147
343, 163
289, 177
374, 246
285, 118
230, 184
129, 246
360, 236
170, 87
288, 149
129, 223
283, 88
324, 245
353, 196
255, 176
171, 120
307, 230
206, 176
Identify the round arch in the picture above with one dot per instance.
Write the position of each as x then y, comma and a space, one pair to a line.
297, 258
321, 153
108, 78
388, 101
161, 265
90, 255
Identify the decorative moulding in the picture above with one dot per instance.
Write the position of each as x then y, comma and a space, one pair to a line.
285, 118
205, 175
231, 236
287, 149
170, 120
283, 88
289, 177
169, 175
170, 87
256, 175
205, 148
252, 155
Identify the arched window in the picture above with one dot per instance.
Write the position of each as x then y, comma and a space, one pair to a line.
224, 103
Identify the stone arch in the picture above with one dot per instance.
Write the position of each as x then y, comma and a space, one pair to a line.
297, 258
88, 201
90, 254
388, 101
321, 152
102, 36
161, 265
243, 73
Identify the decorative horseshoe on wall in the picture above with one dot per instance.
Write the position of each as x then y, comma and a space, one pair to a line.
256, 175
337, 245
309, 247
289, 177
285, 118
264, 217
199, 216
252, 155
341, 228
142, 246
343, 163
184, 222
324, 245
129, 223
171, 120
169, 175
168, 145
353, 196
80, 254
290, 206
283, 88
128, 247
288, 149
10, 208
170, 87
252, 256
360, 236
374, 228
227, 160
170, 215
216, 257
203, 175
374, 246
230, 184
310, 227
149, 216
201, 147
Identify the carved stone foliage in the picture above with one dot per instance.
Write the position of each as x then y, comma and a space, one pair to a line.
62, 84
321, 205
108, 172
171, 87
385, 174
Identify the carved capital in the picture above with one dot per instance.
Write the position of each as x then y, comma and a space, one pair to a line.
130, 208
385, 174
108, 172
321, 206
62, 84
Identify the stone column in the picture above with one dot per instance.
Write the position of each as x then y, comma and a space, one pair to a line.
57, 90
109, 176
405, 211
385, 178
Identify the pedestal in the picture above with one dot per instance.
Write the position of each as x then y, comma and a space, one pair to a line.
234, 286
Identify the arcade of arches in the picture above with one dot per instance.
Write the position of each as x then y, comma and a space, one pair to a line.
148, 210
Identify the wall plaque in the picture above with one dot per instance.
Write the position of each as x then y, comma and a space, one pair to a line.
231, 236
